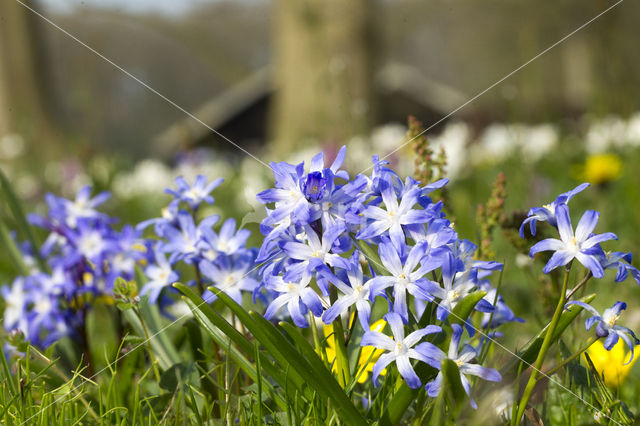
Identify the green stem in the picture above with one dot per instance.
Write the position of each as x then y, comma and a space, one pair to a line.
546, 343
580, 284
316, 337
354, 321
148, 341
342, 359
572, 357
199, 282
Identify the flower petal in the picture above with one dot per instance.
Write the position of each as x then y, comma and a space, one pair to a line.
564, 223
406, 371
587, 224
559, 258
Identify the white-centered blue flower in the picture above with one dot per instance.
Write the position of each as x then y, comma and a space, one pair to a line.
160, 275
296, 294
463, 361
606, 325
457, 285
401, 349
581, 245
405, 275
394, 214
353, 291
315, 252
547, 213
194, 194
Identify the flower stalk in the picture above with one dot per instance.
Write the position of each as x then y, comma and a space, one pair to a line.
546, 343
572, 357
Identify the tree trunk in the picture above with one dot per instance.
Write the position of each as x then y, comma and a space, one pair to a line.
323, 72
23, 106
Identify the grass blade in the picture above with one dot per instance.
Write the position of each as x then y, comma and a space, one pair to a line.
21, 220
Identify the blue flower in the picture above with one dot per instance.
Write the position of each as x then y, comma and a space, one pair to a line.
457, 284
160, 274
83, 207
405, 276
394, 215
231, 274
315, 252
462, 359
400, 349
583, 245
194, 194
353, 288
183, 240
547, 213
227, 242
296, 294
502, 312
622, 262
606, 325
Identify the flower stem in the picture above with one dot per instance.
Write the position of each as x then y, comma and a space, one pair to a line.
580, 284
546, 343
314, 333
342, 359
572, 357
154, 364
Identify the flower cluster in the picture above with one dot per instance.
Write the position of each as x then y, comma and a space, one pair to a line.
338, 246
84, 254
217, 258
584, 246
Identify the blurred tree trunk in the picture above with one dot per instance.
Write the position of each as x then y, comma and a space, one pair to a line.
23, 106
323, 72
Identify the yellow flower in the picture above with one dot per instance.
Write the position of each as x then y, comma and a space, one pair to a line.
365, 354
611, 363
601, 168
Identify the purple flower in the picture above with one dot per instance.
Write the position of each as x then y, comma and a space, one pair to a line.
315, 252
547, 213
400, 349
227, 242
231, 274
622, 262
606, 325
353, 289
457, 284
394, 215
583, 245
160, 274
405, 275
296, 294
183, 240
502, 312
83, 207
194, 194
462, 359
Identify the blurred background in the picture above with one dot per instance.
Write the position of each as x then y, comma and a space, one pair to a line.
284, 79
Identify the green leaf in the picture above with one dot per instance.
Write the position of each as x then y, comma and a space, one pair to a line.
179, 376
286, 354
221, 331
12, 250
530, 351
463, 309
21, 220
371, 255
404, 396
452, 387
164, 350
